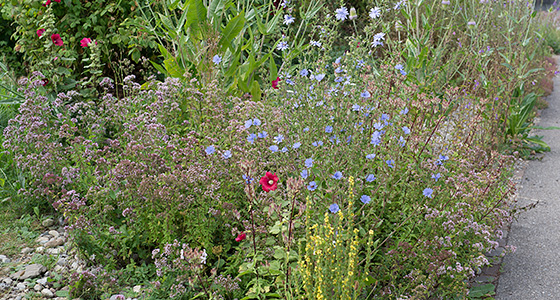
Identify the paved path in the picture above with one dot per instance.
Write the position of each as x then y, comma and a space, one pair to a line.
533, 271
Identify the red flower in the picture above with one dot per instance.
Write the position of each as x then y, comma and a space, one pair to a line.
40, 31
57, 1
85, 41
57, 40
240, 237
47, 3
269, 182
275, 83
45, 82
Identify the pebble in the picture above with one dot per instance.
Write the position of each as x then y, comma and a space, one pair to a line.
38, 287
42, 281
54, 251
42, 240
26, 250
21, 286
137, 289
54, 233
8, 281
4, 259
54, 243
40, 249
48, 222
47, 293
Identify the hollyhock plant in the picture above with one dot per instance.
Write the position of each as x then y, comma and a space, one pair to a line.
85, 42
40, 32
269, 182
275, 83
56, 39
240, 237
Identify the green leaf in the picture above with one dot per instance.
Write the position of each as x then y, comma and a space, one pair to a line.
482, 291
233, 28
173, 68
62, 293
272, 68
546, 128
215, 7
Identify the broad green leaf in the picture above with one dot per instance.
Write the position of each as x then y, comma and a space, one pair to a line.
272, 68
173, 68
215, 8
233, 28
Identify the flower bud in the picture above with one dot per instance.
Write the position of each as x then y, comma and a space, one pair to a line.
353, 14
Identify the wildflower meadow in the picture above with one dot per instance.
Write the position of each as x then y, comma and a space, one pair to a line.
281, 149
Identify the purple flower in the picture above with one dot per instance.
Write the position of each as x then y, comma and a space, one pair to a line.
436, 176
278, 139
390, 163
319, 77
306, 129
210, 150
296, 145
341, 13
370, 178
312, 186
337, 175
304, 72
309, 163
304, 174
263, 134
365, 94
317, 143
217, 59
370, 156
334, 208
251, 138
226, 154
328, 129
273, 148
406, 130
404, 111
365, 199
256, 122
428, 192
248, 179
248, 124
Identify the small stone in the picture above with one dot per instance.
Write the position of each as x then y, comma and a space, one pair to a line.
7, 281
32, 271
42, 240
53, 251
117, 297
40, 249
54, 233
38, 287
48, 222
62, 262
17, 274
58, 269
4, 259
55, 243
21, 286
47, 293
26, 250
43, 280
137, 288
19, 297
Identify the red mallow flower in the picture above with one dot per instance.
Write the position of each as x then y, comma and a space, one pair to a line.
275, 83
240, 237
85, 41
47, 3
269, 182
56, 39
40, 31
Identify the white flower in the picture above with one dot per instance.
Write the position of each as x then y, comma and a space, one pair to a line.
375, 12
353, 14
379, 37
282, 46
315, 43
341, 13
288, 19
